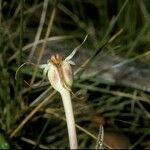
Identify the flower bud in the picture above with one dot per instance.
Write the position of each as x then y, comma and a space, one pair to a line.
60, 73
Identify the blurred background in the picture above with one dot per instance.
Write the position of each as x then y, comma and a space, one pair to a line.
112, 90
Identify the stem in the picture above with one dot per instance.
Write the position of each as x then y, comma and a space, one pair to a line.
21, 32
65, 94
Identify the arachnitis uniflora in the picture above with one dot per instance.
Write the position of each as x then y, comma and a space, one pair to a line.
60, 75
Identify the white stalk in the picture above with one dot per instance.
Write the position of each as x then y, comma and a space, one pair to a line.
61, 78
66, 98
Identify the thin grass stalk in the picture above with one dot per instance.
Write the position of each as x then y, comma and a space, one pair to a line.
51, 20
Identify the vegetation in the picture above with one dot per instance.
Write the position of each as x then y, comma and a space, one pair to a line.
31, 31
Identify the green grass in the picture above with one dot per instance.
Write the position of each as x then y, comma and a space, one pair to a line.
119, 108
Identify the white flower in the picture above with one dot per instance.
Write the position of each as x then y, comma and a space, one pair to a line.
59, 70
60, 73
60, 76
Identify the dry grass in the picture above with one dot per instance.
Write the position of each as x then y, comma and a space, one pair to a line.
32, 31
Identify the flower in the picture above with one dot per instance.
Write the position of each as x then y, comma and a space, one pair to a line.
60, 73
59, 70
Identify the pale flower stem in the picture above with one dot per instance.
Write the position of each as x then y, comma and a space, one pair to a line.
66, 97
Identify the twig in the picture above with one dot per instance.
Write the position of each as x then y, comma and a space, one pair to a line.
32, 113
38, 34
